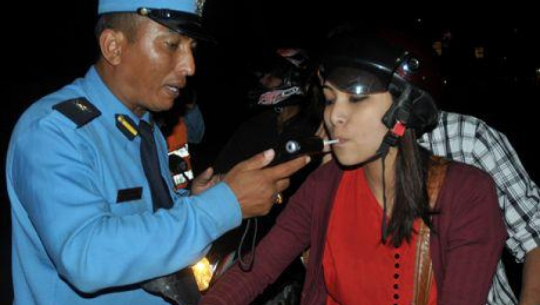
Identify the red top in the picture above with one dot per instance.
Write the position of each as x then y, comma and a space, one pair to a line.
465, 251
358, 268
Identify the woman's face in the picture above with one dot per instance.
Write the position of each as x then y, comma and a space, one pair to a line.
356, 120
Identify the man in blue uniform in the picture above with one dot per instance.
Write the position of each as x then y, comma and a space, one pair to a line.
89, 220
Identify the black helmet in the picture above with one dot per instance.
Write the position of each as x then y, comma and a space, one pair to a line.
293, 68
361, 63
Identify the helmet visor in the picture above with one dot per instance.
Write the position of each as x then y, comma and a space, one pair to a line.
354, 80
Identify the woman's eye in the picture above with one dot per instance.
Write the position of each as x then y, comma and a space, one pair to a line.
357, 99
328, 101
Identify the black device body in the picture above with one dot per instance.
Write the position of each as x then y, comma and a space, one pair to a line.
293, 148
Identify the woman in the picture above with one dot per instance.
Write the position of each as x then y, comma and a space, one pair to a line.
364, 215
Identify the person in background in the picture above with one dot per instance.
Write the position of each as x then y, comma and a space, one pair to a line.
470, 140
182, 125
290, 103
291, 107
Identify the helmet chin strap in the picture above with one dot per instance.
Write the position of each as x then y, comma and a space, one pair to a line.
390, 140
401, 111
398, 112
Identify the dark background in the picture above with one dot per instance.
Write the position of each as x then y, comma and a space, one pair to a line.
46, 45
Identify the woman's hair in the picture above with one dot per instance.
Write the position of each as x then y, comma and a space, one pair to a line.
410, 193
382, 61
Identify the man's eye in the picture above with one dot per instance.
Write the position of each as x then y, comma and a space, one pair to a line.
172, 45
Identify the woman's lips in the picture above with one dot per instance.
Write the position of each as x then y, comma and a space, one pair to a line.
340, 140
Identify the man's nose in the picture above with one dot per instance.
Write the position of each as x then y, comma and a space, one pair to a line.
185, 65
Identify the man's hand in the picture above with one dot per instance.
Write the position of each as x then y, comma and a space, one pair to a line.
256, 187
530, 287
204, 181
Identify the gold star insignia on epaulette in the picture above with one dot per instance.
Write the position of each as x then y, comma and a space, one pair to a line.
81, 106
79, 110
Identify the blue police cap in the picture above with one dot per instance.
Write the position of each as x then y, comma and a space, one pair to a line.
182, 16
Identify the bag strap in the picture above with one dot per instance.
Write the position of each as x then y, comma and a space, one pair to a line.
423, 275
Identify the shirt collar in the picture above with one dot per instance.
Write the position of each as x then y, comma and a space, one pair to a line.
100, 95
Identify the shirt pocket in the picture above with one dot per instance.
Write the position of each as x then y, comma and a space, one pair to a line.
129, 201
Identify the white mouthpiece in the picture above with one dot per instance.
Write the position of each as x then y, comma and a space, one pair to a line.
330, 142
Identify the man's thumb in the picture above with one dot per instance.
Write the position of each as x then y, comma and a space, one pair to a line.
206, 175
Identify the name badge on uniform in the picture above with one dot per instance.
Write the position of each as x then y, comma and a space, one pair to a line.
130, 194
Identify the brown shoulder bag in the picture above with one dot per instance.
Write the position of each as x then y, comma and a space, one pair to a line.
423, 275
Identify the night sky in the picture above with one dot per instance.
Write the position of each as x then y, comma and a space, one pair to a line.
49, 44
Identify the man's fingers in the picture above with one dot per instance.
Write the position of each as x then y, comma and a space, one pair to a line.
207, 174
202, 182
282, 184
217, 178
258, 161
257, 186
288, 168
204, 177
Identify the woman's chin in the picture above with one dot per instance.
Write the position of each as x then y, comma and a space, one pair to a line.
346, 160
351, 160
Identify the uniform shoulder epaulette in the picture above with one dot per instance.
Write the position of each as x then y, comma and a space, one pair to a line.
79, 110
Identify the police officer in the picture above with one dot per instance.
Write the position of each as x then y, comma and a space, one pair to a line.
93, 208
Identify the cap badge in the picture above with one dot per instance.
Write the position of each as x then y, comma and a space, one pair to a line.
199, 7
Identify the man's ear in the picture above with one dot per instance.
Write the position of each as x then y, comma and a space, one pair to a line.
111, 44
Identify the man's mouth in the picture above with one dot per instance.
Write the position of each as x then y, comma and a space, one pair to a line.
173, 90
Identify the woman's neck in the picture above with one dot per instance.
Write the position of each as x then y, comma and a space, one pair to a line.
373, 172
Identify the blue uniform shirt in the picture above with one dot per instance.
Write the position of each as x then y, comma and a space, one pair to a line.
73, 243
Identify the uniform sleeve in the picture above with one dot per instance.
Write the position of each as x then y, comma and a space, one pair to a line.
92, 248
287, 239
476, 237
